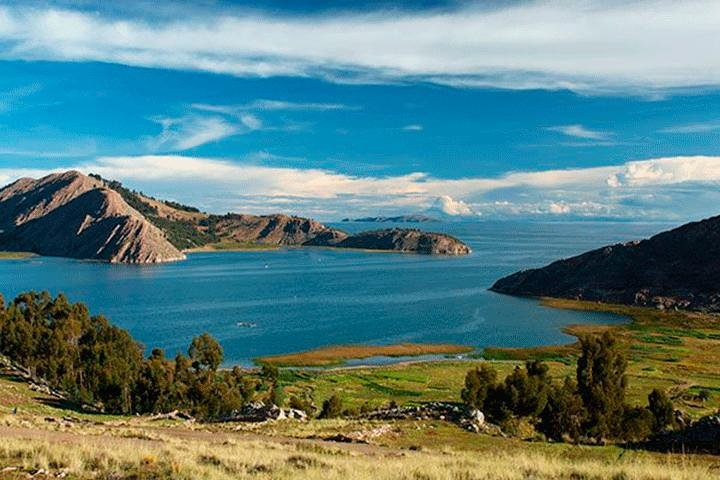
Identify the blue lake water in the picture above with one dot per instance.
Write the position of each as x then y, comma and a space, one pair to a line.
302, 298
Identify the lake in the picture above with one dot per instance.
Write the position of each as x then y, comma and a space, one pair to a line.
264, 302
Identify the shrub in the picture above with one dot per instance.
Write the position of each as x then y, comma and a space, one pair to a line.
331, 408
564, 413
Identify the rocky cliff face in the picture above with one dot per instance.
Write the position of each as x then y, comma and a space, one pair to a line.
72, 215
678, 268
406, 240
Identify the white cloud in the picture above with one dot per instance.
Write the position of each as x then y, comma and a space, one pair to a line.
191, 131
663, 188
251, 121
703, 127
11, 97
449, 206
637, 46
413, 128
578, 131
667, 171
271, 105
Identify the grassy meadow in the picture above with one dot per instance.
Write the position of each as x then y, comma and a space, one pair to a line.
679, 352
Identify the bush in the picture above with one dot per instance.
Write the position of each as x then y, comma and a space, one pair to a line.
564, 413
637, 424
331, 408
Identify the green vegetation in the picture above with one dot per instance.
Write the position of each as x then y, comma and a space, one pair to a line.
100, 365
592, 406
337, 354
183, 234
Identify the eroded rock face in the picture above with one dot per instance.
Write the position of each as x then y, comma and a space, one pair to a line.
406, 240
679, 268
73, 215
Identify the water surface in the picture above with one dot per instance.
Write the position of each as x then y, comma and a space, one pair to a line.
302, 298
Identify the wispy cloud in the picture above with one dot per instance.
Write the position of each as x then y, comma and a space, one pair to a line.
11, 97
537, 44
579, 131
702, 127
190, 131
413, 128
661, 188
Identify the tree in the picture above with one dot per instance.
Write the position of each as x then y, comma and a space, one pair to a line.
601, 383
477, 384
637, 423
662, 410
564, 413
331, 408
205, 353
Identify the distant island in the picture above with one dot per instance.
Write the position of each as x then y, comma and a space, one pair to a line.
679, 268
397, 219
87, 217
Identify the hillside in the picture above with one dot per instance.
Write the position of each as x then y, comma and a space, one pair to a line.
677, 268
88, 217
72, 215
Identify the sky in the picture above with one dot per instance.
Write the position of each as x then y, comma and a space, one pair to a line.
548, 110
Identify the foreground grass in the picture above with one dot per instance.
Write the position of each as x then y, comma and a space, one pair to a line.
164, 456
337, 354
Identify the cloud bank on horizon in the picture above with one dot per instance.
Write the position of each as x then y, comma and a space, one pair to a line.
640, 190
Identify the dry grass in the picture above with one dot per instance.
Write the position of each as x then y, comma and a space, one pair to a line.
88, 456
15, 255
334, 355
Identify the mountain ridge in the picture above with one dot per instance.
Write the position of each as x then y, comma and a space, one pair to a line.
73, 215
678, 268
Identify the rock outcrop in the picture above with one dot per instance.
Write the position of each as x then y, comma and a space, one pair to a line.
73, 215
678, 268
405, 240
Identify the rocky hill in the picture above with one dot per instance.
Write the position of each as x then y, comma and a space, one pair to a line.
406, 240
88, 217
678, 268
72, 215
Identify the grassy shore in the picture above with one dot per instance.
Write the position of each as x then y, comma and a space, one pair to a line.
15, 255
230, 246
338, 354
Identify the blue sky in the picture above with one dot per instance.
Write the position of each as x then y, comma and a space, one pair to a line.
334, 109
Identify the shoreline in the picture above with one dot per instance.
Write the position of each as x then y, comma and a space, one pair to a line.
338, 356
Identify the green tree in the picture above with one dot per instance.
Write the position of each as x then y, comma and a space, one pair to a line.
601, 383
564, 413
205, 353
637, 424
662, 410
477, 384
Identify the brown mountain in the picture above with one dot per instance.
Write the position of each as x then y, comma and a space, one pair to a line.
677, 268
72, 215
